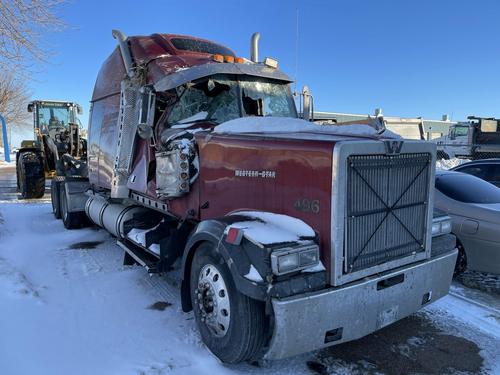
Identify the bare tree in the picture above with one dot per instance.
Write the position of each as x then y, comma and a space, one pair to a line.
14, 98
23, 25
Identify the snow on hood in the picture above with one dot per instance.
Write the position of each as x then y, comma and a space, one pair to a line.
190, 120
268, 228
257, 124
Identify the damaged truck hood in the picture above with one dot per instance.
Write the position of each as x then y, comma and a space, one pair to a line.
293, 128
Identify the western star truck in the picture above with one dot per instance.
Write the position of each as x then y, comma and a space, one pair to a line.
289, 236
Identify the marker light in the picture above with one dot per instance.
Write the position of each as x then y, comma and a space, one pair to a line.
239, 60
270, 62
234, 236
218, 58
229, 59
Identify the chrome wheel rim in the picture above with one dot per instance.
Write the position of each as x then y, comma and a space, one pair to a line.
213, 300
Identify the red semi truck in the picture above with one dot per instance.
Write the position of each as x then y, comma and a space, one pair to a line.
289, 236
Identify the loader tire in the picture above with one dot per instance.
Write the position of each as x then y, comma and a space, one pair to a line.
30, 175
71, 220
232, 325
55, 196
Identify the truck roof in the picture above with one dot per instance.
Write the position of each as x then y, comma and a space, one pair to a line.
168, 54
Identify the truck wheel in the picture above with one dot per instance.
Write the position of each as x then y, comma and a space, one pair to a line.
461, 264
30, 175
55, 186
231, 325
71, 220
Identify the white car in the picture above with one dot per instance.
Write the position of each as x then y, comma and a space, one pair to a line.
474, 207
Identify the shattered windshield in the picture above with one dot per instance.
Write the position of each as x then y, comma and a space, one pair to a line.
212, 99
223, 98
262, 98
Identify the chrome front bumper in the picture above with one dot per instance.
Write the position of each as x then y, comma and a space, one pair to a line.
317, 320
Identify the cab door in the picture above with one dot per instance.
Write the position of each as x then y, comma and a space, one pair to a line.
459, 140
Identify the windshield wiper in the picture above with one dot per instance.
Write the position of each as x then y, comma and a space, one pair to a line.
179, 124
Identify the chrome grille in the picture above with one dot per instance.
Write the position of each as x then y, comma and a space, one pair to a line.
386, 208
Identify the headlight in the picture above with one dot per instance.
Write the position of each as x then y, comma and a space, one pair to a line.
288, 262
446, 226
441, 225
294, 259
436, 228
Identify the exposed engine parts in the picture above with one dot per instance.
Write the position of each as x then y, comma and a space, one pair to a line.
177, 166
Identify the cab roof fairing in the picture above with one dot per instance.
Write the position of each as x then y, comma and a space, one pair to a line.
183, 76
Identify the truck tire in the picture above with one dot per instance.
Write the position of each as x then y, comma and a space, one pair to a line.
30, 175
71, 220
55, 187
232, 325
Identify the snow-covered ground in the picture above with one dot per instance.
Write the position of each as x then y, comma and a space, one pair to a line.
69, 306
4, 163
450, 163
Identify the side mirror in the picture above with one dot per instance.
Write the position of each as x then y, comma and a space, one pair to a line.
79, 109
452, 133
30, 107
147, 100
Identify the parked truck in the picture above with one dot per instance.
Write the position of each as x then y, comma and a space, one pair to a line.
289, 236
479, 138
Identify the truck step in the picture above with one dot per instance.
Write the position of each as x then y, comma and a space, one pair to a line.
139, 255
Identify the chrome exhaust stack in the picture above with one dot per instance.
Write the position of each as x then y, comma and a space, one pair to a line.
254, 48
307, 104
125, 51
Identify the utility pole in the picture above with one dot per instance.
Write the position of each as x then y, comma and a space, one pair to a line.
5, 140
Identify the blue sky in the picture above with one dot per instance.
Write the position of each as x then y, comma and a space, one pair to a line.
411, 58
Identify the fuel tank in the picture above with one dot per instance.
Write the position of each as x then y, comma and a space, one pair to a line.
111, 216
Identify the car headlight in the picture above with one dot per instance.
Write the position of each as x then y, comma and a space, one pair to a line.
294, 259
441, 225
